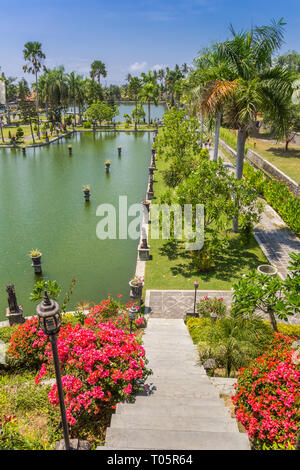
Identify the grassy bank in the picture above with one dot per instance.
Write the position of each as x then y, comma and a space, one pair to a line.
274, 152
170, 264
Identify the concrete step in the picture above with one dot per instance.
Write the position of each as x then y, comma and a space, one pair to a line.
190, 423
162, 439
181, 373
190, 383
186, 393
163, 408
177, 364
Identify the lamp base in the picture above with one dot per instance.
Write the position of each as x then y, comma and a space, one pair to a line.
75, 444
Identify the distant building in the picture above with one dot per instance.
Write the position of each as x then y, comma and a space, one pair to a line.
2, 93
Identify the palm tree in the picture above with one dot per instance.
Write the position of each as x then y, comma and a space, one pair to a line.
234, 340
149, 93
98, 69
254, 84
74, 82
58, 91
34, 55
134, 89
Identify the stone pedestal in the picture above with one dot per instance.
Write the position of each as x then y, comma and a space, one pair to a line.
144, 253
15, 318
75, 444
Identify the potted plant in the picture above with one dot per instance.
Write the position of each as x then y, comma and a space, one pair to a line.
136, 286
107, 165
35, 255
86, 192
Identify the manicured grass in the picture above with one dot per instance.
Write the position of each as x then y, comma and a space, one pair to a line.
286, 161
170, 264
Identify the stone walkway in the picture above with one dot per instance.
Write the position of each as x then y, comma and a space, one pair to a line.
174, 304
180, 407
273, 236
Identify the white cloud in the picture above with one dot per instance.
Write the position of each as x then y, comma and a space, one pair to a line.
138, 66
158, 67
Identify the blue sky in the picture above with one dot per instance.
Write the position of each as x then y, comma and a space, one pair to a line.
130, 36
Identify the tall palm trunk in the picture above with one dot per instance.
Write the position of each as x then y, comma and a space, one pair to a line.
241, 141
201, 128
217, 136
31, 130
37, 104
74, 106
1, 132
79, 112
149, 105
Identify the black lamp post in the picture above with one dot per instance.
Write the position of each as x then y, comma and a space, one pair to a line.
133, 311
50, 321
196, 285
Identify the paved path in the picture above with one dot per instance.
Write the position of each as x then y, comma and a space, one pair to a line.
180, 408
176, 303
273, 235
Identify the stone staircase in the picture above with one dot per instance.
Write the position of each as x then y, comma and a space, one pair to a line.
180, 409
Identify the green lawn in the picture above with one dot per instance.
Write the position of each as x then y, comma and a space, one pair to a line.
286, 161
170, 264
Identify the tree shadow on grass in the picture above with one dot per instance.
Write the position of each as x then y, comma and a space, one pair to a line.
229, 265
173, 250
281, 152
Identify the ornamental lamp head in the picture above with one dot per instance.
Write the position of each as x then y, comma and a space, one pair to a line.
49, 317
133, 311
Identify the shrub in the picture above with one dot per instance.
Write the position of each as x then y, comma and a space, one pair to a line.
6, 333
87, 125
278, 195
27, 345
102, 366
289, 330
11, 439
208, 305
267, 397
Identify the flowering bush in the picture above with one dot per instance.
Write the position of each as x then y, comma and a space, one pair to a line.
102, 366
267, 397
109, 310
208, 305
27, 345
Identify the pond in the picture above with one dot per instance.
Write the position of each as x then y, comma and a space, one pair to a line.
42, 206
156, 112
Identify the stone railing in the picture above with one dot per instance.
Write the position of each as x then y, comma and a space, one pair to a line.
261, 164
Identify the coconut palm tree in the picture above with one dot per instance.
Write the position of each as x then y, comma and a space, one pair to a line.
149, 93
34, 55
134, 89
252, 84
256, 84
74, 83
98, 69
58, 92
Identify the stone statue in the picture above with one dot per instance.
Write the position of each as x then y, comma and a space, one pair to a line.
12, 299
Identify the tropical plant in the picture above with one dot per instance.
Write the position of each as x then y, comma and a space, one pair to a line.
34, 55
149, 94
98, 69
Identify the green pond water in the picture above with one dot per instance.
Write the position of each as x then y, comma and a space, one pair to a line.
156, 112
42, 206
